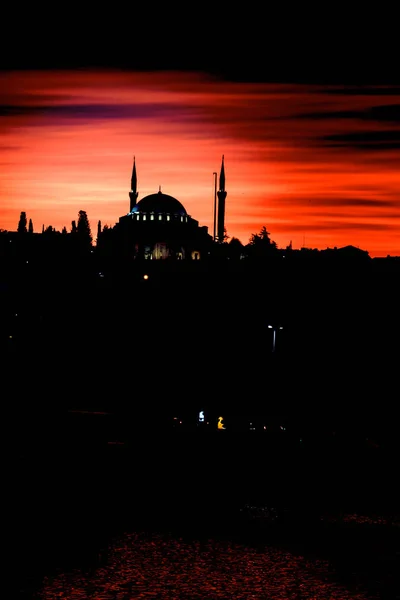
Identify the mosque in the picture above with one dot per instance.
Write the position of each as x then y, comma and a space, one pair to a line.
159, 227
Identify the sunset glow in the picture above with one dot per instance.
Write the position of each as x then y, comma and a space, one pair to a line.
318, 166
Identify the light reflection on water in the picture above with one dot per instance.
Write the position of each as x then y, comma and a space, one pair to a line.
144, 565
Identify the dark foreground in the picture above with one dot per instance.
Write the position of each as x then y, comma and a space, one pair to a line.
72, 495
172, 349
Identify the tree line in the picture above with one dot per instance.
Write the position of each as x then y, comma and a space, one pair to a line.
81, 228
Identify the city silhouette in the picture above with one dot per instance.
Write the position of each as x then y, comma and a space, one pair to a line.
158, 291
189, 411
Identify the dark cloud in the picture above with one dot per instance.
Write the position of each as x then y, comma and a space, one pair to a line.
384, 113
365, 140
10, 148
361, 90
88, 112
357, 202
345, 215
304, 46
334, 201
342, 225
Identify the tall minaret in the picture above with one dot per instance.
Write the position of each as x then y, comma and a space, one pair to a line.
221, 204
133, 194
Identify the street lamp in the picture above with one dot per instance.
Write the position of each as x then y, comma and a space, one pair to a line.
274, 330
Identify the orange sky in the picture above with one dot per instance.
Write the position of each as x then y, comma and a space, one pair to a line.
318, 166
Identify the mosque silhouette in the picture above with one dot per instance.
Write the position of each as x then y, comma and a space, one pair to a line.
159, 227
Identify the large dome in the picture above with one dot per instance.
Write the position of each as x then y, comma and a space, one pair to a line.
159, 203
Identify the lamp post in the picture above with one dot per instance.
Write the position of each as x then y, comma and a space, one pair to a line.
274, 330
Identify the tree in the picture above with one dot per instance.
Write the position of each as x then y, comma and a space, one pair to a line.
235, 248
30, 229
83, 228
22, 223
98, 230
260, 244
73, 227
64, 230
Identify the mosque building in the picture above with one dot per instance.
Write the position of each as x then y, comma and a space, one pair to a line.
158, 226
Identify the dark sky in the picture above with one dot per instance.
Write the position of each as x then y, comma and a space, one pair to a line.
251, 43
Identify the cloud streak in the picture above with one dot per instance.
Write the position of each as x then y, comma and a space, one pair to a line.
95, 112
299, 158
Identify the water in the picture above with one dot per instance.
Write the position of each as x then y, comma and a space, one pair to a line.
167, 565
183, 518
163, 566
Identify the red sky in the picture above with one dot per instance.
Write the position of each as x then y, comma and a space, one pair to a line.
317, 165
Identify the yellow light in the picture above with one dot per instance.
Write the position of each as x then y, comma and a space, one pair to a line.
145, 276
220, 424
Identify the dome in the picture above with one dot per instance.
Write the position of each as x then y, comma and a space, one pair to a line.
159, 203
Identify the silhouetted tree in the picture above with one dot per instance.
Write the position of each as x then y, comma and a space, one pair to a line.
30, 228
105, 243
98, 230
83, 228
73, 227
22, 223
260, 244
43, 228
235, 248
64, 230
263, 236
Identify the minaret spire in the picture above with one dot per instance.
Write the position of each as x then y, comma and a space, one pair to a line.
222, 176
133, 194
221, 203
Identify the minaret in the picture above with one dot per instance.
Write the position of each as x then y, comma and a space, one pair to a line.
133, 194
221, 204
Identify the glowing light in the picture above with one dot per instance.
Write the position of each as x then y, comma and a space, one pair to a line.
201, 416
220, 423
145, 276
274, 328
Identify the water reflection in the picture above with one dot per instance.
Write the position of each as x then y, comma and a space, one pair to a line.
144, 565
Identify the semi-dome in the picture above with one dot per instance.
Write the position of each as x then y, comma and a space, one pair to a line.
159, 203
